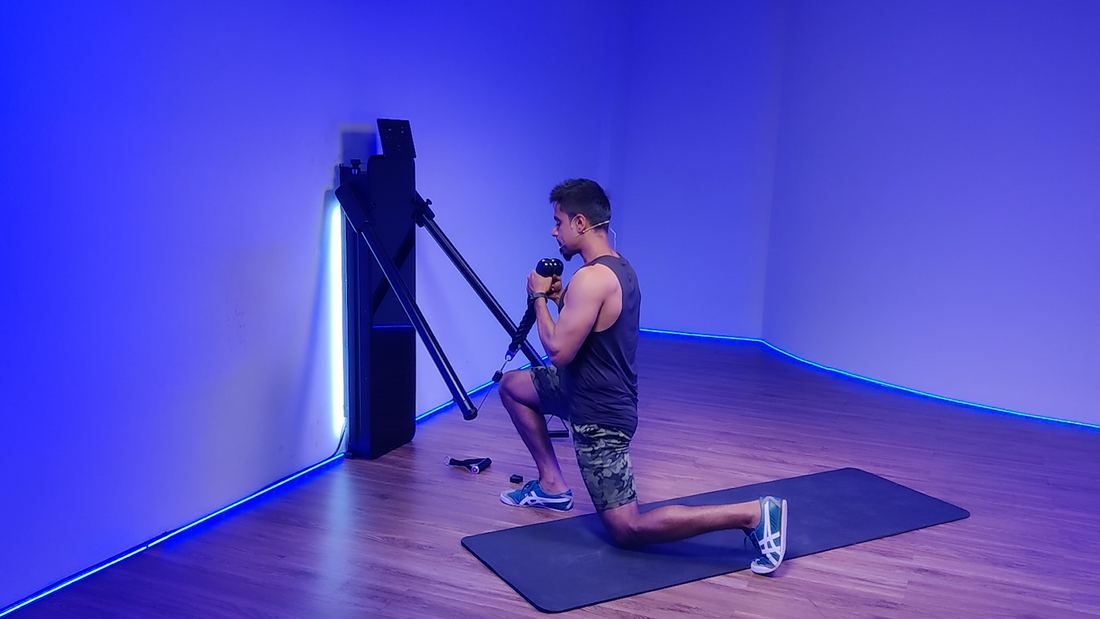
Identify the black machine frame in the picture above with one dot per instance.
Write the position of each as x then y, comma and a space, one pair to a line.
381, 207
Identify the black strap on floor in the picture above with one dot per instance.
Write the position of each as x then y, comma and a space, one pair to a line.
570, 563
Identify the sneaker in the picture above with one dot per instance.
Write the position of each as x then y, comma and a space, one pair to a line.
770, 536
532, 495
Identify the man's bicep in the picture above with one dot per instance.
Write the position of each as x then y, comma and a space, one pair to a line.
576, 320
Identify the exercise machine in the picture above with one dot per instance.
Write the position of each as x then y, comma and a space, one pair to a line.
382, 209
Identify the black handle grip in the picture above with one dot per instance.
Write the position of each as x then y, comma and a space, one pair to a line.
547, 267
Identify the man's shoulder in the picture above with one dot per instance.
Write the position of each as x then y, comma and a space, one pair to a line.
595, 277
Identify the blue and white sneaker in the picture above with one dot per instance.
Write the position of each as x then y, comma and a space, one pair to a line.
770, 536
532, 495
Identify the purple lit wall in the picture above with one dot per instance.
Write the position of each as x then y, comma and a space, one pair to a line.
908, 191
162, 245
701, 108
517, 100
936, 220
163, 173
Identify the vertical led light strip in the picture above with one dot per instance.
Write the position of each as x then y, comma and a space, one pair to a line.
335, 285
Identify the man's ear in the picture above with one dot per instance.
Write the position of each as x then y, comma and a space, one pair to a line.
582, 223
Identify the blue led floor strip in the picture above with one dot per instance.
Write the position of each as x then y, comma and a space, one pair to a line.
129, 553
166, 536
706, 336
734, 338
470, 393
450, 402
871, 380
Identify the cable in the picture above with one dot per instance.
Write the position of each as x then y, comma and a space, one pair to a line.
496, 381
487, 392
340, 443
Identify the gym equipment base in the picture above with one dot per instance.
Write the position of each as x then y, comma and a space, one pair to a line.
570, 563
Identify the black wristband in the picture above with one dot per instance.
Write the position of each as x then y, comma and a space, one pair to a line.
537, 295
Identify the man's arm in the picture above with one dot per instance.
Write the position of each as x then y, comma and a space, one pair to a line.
588, 290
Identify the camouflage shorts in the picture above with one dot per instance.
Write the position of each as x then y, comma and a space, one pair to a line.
548, 387
604, 459
601, 450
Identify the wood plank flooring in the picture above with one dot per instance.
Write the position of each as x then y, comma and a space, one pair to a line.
381, 538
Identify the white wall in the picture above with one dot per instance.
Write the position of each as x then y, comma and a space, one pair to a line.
164, 167
937, 199
702, 94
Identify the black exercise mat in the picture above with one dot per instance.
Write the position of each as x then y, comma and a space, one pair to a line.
570, 563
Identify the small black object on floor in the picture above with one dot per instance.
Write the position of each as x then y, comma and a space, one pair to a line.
570, 563
474, 465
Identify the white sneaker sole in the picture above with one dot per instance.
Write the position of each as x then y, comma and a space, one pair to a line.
507, 500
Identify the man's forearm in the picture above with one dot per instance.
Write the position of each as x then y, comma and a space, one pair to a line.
545, 325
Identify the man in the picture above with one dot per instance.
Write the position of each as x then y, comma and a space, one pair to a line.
593, 384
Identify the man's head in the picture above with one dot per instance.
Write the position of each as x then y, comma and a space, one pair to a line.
580, 207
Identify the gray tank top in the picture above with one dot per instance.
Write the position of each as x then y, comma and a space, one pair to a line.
602, 380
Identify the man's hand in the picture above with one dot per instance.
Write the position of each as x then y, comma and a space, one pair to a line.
538, 283
555, 290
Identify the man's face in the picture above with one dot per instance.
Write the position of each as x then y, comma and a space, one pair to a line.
564, 233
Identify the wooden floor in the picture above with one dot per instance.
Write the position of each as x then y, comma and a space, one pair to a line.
381, 538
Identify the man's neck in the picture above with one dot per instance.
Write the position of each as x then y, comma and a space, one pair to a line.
596, 249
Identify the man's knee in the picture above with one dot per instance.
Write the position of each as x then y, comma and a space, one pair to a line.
508, 385
624, 529
625, 535
518, 385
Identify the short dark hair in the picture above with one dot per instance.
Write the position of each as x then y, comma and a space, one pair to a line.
580, 196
